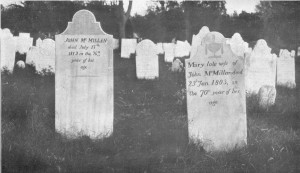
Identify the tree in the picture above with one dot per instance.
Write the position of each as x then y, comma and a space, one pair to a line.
123, 17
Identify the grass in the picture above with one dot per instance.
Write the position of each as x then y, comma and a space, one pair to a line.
150, 129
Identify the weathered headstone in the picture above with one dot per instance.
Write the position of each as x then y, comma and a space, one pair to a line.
266, 96
146, 60
177, 66
182, 49
286, 69
237, 44
260, 67
298, 51
216, 102
24, 42
84, 78
46, 59
196, 40
169, 51
38, 42
159, 47
8, 50
128, 47
33, 55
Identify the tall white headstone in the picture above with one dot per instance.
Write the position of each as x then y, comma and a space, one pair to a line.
286, 69
8, 50
84, 78
169, 51
216, 102
146, 60
260, 67
196, 40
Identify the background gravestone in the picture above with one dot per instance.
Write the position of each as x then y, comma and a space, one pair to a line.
286, 69
169, 51
216, 102
159, 47
8, 50
128, 47
84, 78
146, 60
182, 48
24, 42
260, 67
196, 40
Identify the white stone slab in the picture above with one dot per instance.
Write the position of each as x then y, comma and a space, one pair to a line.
128, 47
169, 51
159, 47
260, 67
24, 42
216, 102
196, 40
146, 60
8, 50
286, 69
84, 79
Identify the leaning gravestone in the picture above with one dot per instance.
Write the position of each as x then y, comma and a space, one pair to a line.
84, 78
286, 69
216, 102
260, 67
8, 50
146, 60
169, 51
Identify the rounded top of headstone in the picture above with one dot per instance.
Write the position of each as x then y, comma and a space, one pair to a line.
204, 30
284, 53
6, 33
86, 14
237, 44
262, 46
145, 45
84, 23
21, 64
213, 37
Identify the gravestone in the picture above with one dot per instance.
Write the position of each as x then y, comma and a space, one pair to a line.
33, 55
177, 66
8, 50
216, 102
169, 51
159, 47
116, 43
146, 60
182, 49
237, 44
266, 96
38, 42
128, 47
46, 59
196, 40
84, 78
260, 67
21, 64
24, 42
286, 69
298, 51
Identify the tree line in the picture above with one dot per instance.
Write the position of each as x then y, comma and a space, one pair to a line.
276, 21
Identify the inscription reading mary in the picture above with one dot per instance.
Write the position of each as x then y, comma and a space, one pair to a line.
216, 95
84, 78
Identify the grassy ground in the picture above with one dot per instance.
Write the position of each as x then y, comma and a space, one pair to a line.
150, 129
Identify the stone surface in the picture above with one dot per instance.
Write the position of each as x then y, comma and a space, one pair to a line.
128, 47
286, 69
182, 49
159, 47
260, 67
84, 79
196, 40
116, 43
169, 51
216, 102
266, 96
24, 42
238, 45
8, 50
146, 60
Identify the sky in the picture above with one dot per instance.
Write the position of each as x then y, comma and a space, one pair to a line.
140, 6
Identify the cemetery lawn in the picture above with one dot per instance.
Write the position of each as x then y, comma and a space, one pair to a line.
150, 129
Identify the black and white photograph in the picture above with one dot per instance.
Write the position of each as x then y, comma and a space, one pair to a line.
150, 86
